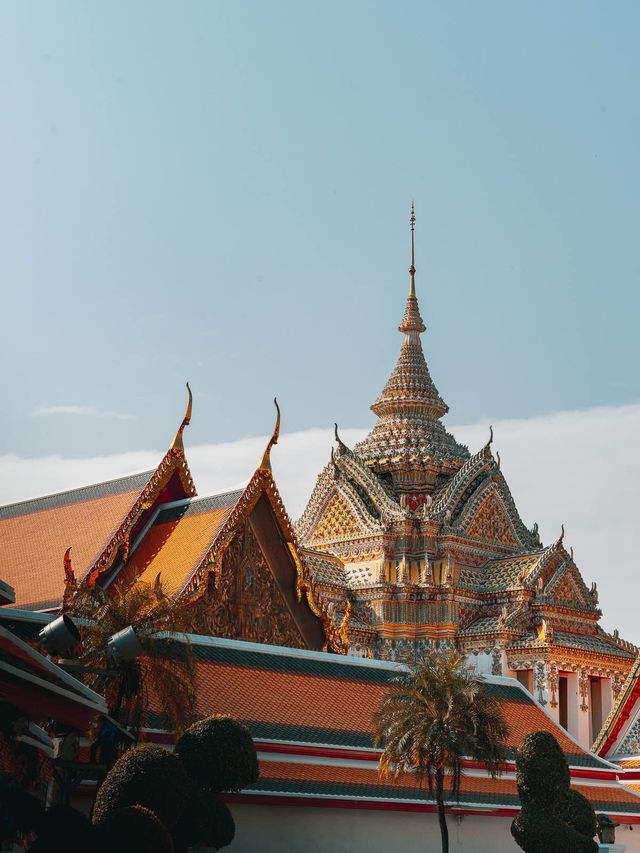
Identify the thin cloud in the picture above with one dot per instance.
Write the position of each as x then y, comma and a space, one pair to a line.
580, 469
81, 411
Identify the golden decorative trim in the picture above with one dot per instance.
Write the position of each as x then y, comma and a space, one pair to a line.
265, 464
177, 443
262, 483
173, 462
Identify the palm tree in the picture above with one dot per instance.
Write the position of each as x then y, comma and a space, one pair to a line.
432, 717
162, 676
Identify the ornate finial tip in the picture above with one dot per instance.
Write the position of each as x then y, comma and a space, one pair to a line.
412, 218
177, 443
265, 464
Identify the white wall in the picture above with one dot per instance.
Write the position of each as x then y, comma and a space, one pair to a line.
299, 829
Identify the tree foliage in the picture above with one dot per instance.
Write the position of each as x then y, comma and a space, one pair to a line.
179, 788
164, 675
553, 818
218, 754
432, 718
134, 829
148, 776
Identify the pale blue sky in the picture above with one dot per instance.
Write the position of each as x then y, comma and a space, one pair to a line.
219, 192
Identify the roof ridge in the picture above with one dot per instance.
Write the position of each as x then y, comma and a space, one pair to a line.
64, 492
199, 498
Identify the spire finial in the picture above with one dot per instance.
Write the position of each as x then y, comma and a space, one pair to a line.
177, 441
412, 268
412, 321
265, 465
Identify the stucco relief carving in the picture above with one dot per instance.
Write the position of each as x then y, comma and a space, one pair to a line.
247, 604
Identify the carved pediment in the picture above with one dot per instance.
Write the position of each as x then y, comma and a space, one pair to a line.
338, 520
566, 587
488, 519
246, 603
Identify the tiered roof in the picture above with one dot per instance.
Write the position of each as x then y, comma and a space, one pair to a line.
409, 408
178, 539
432, 543
40, 689
35, 534
310, 715
99, 522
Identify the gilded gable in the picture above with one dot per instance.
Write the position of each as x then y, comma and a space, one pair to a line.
566, 587
338, 521
247, 603
491, 522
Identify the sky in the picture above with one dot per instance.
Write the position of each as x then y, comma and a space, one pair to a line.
219, 192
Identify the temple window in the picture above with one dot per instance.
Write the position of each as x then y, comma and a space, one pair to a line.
595, 689
525, 677
563, 707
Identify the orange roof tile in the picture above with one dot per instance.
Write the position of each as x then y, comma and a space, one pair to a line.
316, 698
304, 700
360, 782
34, 536
178, 540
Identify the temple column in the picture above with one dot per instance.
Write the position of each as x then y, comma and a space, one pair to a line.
607, 697
578, 707
553, 686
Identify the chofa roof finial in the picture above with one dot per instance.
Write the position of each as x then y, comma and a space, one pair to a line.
177, 443
265, 465
343, 447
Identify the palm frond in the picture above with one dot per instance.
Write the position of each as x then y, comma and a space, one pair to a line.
163, 677
433, 717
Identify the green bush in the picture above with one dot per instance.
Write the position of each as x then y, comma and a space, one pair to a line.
146, 776
542, 772
19, 810
63, 828
218, 754
220, 829
551, 814
206, 820
133, 829
576, 811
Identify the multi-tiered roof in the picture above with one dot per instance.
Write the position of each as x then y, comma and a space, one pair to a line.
426, 543
409, 437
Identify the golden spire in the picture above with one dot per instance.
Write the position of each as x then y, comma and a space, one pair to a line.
411, 320
412, 268
265, 465
177, 441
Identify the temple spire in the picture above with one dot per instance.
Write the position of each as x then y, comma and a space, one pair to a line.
412, 268
409, 437
411, 320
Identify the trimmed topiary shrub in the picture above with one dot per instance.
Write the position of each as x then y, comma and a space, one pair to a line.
218, 754
206, 820
220, 828
133, 829
147, 776
576, 811
19, 810
547, 802
62, 828
542, 772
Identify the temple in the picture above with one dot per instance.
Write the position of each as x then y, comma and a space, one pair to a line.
233, 555
408, 542
423, 542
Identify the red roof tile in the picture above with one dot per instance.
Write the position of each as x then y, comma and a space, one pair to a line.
34, 536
